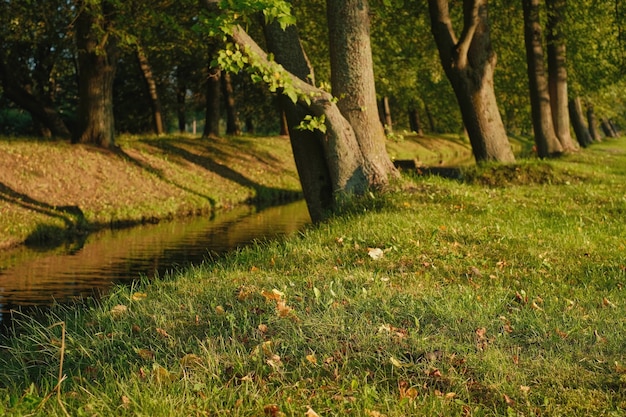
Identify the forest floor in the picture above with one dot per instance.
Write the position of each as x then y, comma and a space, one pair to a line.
52, 189
498, 293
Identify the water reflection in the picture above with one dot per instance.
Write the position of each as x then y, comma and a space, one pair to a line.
34, 277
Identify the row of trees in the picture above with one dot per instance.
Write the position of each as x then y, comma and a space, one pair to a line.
81, 68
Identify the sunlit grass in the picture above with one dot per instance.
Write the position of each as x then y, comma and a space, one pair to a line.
498, 294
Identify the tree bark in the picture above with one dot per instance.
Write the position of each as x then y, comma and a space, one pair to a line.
469, 65
212, 114
592, 122
341, 151
546, 140
233, 125
307, 146
97, 55
151, 87
41, 113
578, 121
352, 80
557, 74
607, 128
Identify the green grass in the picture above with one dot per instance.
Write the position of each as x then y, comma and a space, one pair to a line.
498, 294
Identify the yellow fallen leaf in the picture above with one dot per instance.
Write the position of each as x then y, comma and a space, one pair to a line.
119, 311
283, 309
162, 332
139, 296
273, 295
375, 253
146, 354
311, 358
191, 361
311, 413
219, 310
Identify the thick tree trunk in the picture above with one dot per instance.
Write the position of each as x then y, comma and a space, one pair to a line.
307, 146
352, 80
97, 57
546, 140
557, 74
578, 121
469, 64
233, 125
213, 100
151, 87
592, 122
41, 113
341, 150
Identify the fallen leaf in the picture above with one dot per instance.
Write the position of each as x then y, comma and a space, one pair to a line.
119, 311
219, 310
162, 332
145, 354
135, 329
525, 389
607, 303
139, 296
161, 375
273, 295
191, 361
272, 410
561, 334
311, 358
125, 401
262, 328
508, 400
396, 362
311, 413
375, 253
283, 309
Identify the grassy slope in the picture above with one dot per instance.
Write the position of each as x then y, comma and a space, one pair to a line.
487, 300
49, 187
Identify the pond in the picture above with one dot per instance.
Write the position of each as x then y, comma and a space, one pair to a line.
37, 276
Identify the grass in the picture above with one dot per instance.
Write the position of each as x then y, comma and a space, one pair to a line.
501, 293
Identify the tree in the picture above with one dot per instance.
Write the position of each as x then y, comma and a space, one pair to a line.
469, 64
578, 122
557, 73
34, 47
352, 79
151, 87
307, 145
545, 137
97, 55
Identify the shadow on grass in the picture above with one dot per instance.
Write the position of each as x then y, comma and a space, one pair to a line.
264, 195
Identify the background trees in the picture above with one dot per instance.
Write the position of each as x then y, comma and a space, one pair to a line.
90, 68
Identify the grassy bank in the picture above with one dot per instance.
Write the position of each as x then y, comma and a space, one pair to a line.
498, 294
51, 189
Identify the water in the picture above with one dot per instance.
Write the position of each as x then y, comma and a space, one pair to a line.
36, 276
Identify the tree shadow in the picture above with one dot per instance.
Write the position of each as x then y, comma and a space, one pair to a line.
263, 193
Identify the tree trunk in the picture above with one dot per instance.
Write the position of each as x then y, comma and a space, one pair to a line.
578, 121
546, 140
352, 80
341, 150
233, 125
181, 95
614, 128
151, 87
431, 119
557, 74
41, 113
307, 146
415, 123
97, 55
607, 128
385, 114
212, 115
469, 65
592, 122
